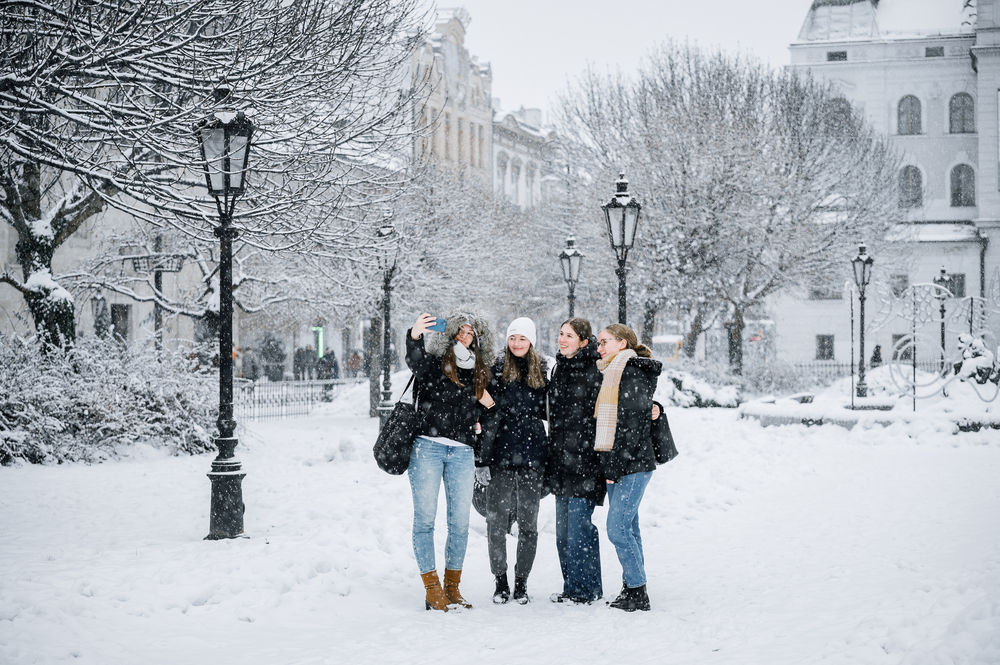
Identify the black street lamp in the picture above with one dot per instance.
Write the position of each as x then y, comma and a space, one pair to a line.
387, 257
862, 264
570, 259
621, 213
225, 149
943, 282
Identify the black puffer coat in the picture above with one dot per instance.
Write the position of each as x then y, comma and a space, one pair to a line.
448, 409
633, 448
513, 432
574, 468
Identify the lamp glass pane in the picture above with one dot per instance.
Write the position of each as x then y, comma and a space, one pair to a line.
631, 221
566, 267
574, 266
213, 140
237, 160
614, 213
857, 264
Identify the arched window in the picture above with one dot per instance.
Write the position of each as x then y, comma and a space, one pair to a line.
961, 113
963, 186
911, 187
909, 115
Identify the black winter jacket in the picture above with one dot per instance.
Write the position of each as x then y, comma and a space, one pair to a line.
574, 468
448, 410
513, 433
633, 448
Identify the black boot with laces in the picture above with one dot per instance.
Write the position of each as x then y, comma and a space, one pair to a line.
521, 590
631, 600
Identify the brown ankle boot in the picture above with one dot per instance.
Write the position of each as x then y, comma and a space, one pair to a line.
451, 580
436, 600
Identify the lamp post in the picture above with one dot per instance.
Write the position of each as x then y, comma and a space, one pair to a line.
225, 148
621, 213
943, 282
570, 259
862, 264
387, 263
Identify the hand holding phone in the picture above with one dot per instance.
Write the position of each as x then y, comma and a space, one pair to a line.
421, 325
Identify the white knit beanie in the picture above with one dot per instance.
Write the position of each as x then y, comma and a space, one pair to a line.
522, 326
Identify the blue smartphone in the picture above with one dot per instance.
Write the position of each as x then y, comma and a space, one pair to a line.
438, 325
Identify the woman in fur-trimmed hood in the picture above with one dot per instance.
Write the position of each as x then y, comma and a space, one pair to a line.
451, 371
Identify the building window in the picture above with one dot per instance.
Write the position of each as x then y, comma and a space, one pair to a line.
899, 284
836, 56
911, 187
963, 186
824, 347
119, 322
909, 115
934, 52
447, 136
480, 146
472, 144
961, 114
956, 284
461, 140
907, 353
825, 292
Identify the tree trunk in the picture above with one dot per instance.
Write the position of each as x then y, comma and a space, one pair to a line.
649, 325
373, 345
691, 339
735, 335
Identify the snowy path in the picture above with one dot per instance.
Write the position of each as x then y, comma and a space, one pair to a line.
778, 545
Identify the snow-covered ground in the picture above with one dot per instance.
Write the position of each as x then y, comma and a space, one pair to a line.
763, 545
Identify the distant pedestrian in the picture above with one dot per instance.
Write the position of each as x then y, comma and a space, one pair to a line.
353, 365
299, 363
251, 370
876, 360
310, 363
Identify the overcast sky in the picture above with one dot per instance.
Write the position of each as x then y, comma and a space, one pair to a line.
536, 46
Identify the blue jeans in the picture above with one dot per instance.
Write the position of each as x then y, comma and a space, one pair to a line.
430, 462
579, 546
623, 525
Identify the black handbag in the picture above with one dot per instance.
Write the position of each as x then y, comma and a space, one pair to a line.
395, 440
663, 441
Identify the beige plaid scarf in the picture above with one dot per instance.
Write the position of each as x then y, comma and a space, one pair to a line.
606, 410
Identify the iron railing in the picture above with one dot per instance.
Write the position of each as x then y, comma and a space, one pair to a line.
832, 369
274, 400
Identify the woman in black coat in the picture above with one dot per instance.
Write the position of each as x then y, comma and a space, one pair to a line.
512, 457
451, 373
574, 473
624, 441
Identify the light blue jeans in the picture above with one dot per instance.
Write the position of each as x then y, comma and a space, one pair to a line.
623, 525
430, 463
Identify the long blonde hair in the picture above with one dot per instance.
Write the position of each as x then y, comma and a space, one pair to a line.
623, 333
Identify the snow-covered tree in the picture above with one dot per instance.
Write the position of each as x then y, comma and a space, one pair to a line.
98, 101
752, 180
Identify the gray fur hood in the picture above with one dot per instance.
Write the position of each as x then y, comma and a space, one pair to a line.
437, 343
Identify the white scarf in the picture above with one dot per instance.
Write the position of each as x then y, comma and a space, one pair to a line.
606, 410
463, 356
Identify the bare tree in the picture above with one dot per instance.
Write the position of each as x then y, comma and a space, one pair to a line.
752, 181
98, 100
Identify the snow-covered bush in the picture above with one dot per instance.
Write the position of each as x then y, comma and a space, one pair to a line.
684, 383
99, 397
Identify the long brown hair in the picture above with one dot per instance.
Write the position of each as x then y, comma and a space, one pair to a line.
623, 333
449, 365
512, 373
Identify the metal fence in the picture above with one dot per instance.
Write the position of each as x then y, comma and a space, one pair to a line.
273, 400
831, 369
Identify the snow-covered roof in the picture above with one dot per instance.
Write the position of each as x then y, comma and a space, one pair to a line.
845, 20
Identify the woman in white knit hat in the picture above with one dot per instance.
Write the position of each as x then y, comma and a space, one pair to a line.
512, 456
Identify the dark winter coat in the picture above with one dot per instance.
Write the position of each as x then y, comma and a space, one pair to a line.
514, 434
449, 410
633, 448
574, 468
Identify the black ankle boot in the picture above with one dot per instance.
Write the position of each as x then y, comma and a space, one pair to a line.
521, 590
631, 600
502, 593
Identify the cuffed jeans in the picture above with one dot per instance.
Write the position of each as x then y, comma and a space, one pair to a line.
430, 462
623, 525
579, 546
507, 486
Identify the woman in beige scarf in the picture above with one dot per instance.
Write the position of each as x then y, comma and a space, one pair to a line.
624, 445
